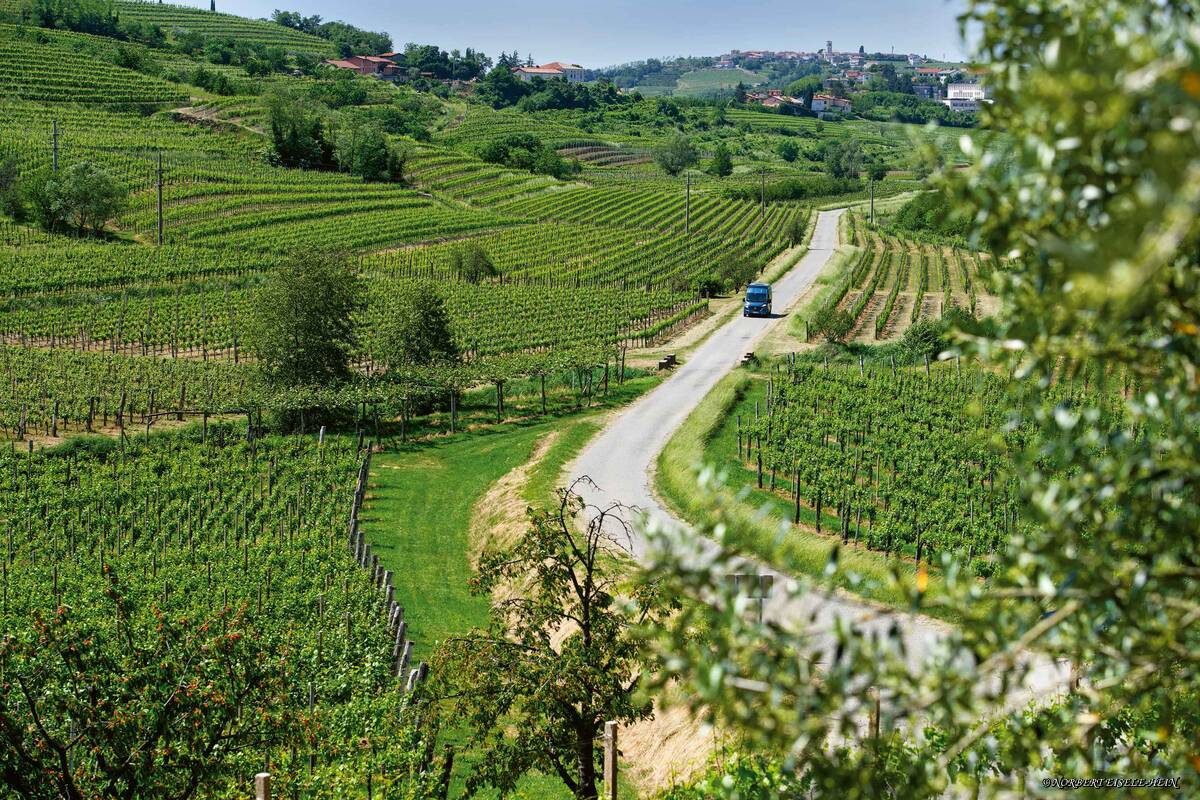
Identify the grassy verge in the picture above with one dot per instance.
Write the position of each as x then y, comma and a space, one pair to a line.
418, 515
830, 281
709, 435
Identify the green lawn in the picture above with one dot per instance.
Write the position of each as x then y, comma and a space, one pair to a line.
703, 81
419, 511
417, 517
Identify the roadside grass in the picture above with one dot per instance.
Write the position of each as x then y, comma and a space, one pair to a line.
764, 519
828, 282
417, 517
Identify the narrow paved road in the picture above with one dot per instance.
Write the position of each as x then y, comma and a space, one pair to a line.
620, 461
620, 458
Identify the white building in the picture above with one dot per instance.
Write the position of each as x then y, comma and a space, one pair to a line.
966, 105
824, 104
966, 97
967, 91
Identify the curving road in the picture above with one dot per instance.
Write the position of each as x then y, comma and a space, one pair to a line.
621, 458
620, 462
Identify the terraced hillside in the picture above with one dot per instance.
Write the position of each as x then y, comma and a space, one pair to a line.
49, 68
456, 174
765, 231
175, 19
475, 124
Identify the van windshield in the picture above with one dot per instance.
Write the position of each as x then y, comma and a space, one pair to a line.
757, 294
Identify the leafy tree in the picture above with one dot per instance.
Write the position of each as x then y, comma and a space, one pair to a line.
86, 16
364, 150
796, 229
843, 158
135, 58
876, 170
501, 88
834, 324
473, 263
82, 197
153, 706
1090, 197
788, 150
559, 658
932, 212
925, 337
722, 162
736, 271
301, 325
349, 39
339, 88
415, 331
526, 151
676, 155
298, 132
708, 285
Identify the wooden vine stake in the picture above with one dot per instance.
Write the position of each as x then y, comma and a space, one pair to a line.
262, 786
610, 760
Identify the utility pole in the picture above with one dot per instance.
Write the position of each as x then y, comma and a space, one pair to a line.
54, 143
160, 199
872, 185
687, 206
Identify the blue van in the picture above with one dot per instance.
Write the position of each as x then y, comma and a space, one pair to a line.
758, 300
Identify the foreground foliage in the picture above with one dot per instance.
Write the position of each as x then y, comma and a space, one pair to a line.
1093, 601
559, 659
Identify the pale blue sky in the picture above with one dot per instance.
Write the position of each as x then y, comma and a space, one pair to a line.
598, 34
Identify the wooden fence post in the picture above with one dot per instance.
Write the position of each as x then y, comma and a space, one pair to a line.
262, 786
610, 761
873, 695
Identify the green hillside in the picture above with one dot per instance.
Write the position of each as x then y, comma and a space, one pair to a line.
709, 81
174, 19
55, 68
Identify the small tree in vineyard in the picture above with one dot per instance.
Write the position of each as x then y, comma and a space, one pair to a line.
154, 705
415, 331
301, 327
676, 155
559, 658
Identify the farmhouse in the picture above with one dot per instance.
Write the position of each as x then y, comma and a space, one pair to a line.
572, 73
379, 66
828, 104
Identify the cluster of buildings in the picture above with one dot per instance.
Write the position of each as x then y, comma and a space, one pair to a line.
773, 98
850, 70
383, 66
390, 67
823, 105
934, 84
853, 59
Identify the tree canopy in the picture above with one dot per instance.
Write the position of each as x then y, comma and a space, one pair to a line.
302, 329
676, 155
561, 656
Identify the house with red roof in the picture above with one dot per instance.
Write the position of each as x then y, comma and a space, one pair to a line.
824, 104
572, 73
379, 66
